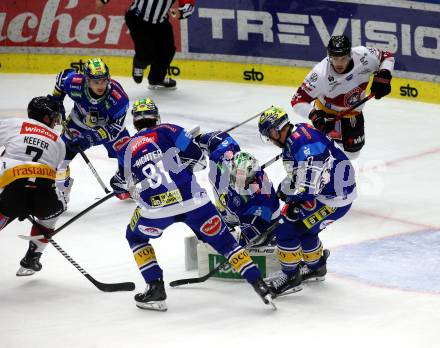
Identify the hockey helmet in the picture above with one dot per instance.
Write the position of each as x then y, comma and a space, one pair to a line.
95, 68
39, 107
145, 114
338, 46
243, 170
272, 118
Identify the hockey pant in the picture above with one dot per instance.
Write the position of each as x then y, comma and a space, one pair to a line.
299, 241
28, 197
208, 227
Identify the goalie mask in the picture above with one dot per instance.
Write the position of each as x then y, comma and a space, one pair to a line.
243, 170
145, 114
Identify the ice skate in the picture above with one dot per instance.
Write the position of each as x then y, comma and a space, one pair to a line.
309, 275
286, 284
30, 263
138, 74
264, 292
153, 298
167, 83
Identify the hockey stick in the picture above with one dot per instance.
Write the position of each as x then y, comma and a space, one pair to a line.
241, 123
86, 159
354, 106
73, 219
106, 287
204, 278
273, 160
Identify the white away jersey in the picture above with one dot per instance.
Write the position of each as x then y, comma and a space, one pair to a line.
338, 92
29, 142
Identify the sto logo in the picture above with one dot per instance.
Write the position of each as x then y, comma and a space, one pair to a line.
212, 226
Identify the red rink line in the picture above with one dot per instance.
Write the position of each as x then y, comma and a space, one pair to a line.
392, 163
407, 158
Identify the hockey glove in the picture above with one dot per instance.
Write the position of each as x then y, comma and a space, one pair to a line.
119, 187
321, 120
59, 83
381, 83
291, 211
185, 11
78, 142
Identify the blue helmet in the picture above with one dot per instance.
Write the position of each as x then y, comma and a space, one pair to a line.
272, 118
95, 68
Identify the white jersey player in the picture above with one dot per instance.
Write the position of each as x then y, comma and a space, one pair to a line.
33, 151
338, 82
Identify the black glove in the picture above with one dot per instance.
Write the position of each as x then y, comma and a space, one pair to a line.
292, 211
381, 83
280, 194
322, 121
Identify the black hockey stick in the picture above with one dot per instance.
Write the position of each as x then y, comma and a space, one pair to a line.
73, 219
107, 287
241, 123
273, 160
354, 106
204, 278
86, 159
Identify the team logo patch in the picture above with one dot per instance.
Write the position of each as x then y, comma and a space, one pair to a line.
120, 143
212, 227
150, 231
29, 128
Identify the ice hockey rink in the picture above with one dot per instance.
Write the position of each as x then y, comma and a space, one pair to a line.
383, 283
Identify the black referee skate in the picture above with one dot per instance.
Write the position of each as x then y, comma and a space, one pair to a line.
309, 275
30, 263
286, 284
167, 83
138, 74
264, 292
153, 297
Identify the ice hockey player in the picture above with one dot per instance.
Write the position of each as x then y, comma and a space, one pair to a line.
33, 151
162, 158
319, 189
339, 81
246, 197
97, 118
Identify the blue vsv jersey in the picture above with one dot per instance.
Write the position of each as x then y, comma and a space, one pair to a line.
106, 113
163, 160
317, 168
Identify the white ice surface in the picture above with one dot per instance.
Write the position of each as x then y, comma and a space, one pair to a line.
366, 300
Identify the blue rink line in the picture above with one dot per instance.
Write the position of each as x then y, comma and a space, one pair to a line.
408, 262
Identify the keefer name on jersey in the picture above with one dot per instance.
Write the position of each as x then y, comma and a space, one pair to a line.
35, 141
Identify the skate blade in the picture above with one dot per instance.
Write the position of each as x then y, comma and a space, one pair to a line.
153, 87
314, 279
269, 301
291, 291
23, 272
153, 305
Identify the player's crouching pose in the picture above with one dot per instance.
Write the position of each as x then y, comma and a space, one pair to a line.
319, 189
33, 151
98, 115
163, 158
245, 195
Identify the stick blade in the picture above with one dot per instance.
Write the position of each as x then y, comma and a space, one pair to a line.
112, 287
